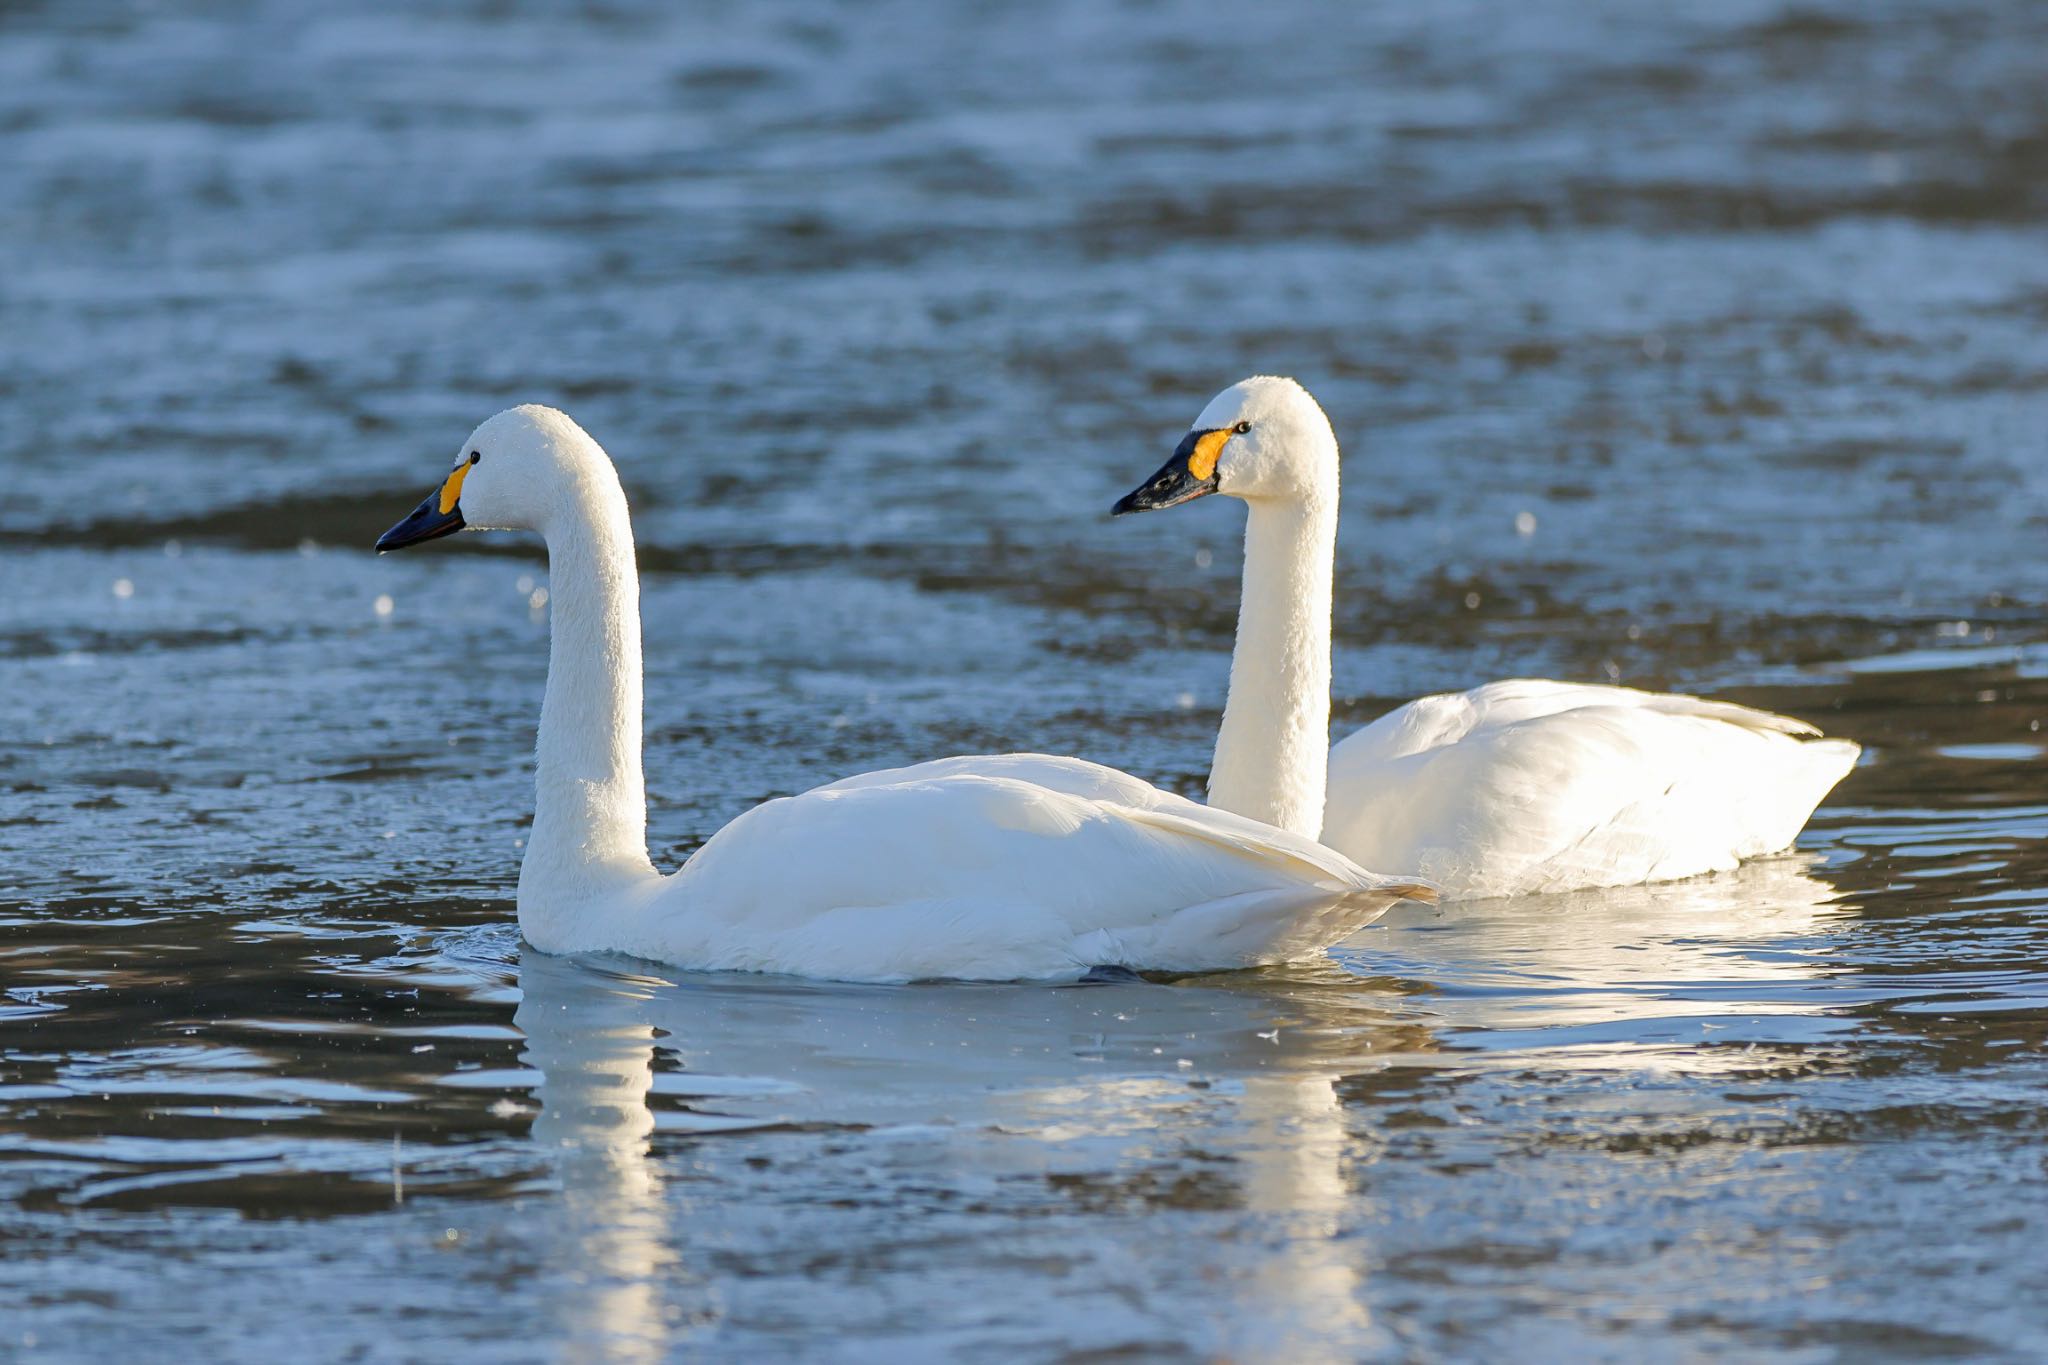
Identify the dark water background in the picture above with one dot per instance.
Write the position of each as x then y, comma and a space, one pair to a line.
878, 307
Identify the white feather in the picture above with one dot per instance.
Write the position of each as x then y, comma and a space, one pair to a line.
1516, 787
1016, 867
967, 869
1529, 786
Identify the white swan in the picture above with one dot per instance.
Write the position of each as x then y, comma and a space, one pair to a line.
1512, 788
1015, 867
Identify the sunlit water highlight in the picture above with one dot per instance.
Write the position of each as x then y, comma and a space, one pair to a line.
1698, 347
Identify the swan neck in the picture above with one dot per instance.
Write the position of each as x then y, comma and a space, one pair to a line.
1272, 754
589, 833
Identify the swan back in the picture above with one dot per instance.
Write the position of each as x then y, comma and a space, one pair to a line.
1529, 786
1007, 868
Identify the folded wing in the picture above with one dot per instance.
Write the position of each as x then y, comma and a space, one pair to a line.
1001, 868
1529, 786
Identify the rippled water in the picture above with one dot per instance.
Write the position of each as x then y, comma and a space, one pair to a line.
879, 308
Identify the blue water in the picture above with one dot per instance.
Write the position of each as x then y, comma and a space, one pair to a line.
1691, 345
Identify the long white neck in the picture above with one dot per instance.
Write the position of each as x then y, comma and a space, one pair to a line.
1273, 752
589, 833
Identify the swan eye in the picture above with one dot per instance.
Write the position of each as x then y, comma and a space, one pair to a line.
475, 455
1241, 428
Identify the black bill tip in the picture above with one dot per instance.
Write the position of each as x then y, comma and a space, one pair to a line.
1175, 483
426, 522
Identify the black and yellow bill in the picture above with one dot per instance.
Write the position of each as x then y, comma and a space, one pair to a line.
439, 514
1190, 474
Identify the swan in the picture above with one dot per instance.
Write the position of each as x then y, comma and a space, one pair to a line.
1011, 867
1513, 788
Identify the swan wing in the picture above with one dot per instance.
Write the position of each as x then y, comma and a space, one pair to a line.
1435, 721
1075, 776
1134, 797
963, 870
1528, 786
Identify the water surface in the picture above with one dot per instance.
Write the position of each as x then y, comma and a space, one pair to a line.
1695, 346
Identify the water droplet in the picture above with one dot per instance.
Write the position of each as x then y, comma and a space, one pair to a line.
308, 548
537, 599
1653, 346
525, 585
1203, 559
1525, 524
383, 606
1185, 701
1471, 601
123, 589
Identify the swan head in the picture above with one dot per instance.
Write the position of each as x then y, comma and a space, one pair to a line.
1262, 437
510, 475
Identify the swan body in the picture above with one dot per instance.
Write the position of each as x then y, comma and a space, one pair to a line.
1514, 788
1528, 786
1010, 867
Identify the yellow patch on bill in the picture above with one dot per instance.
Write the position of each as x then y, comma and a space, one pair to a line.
1208, 450
452, 489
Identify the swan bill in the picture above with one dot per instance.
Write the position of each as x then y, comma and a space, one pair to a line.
428, 521
1190, 474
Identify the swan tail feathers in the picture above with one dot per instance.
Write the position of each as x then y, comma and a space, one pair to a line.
1827, 762
1327, 898
1837, 756
1253, 929
1733, 713
1289, 853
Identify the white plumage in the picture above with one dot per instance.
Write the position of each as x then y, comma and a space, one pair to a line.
1014, 867
1513, 788
1528, 786
1005, 867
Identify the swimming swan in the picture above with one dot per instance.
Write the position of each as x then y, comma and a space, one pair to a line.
1014, 867
1512, 788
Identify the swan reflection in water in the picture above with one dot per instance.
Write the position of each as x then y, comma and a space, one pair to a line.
585, 1035
1099, 1097
1616, 977
1245, 1096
